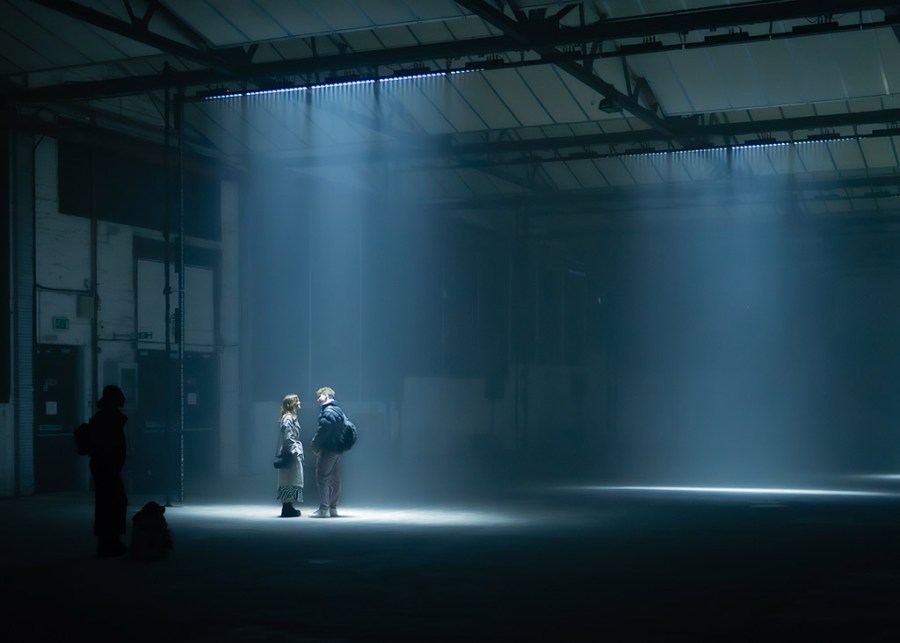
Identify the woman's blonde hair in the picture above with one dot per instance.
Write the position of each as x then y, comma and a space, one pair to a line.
289, 405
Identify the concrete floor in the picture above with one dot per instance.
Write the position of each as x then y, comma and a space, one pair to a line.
559, 563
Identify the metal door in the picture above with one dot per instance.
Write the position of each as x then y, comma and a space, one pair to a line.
56, 386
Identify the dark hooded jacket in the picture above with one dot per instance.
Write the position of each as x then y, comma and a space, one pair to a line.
107, 439
328, 435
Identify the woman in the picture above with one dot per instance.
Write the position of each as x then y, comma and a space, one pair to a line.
290, 477
106, 431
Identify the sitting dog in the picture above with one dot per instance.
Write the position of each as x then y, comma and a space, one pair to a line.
150, 536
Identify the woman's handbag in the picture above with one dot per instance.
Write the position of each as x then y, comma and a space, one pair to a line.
283, 460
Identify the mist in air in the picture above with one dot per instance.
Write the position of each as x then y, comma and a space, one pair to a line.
752, 344
742, 346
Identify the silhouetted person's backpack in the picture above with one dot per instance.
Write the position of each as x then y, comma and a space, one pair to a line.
82, 439
348, 433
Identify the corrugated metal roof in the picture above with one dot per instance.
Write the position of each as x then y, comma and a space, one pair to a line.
528, 121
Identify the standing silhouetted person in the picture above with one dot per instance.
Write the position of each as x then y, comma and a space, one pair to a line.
106, 431
328, 448
290, 454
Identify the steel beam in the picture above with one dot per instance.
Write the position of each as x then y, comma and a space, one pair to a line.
491, 153
220, 70
139, 32
582, 73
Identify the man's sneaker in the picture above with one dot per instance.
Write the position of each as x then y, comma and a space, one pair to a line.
332, 512
288, 511
321, 512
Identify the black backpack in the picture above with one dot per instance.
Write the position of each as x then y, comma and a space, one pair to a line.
348, 433
82, 434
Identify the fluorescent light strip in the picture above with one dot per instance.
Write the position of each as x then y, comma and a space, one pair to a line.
738, 146
341, 83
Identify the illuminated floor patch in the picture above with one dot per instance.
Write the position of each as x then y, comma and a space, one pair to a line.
884, 477
739, 490
434, 516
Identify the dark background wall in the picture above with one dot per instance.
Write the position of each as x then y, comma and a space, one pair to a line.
129, 187
5, 355
364, 292
755, 348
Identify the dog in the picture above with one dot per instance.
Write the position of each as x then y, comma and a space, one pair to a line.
151, 538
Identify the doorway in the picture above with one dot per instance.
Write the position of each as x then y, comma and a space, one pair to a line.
56, 386
159, 456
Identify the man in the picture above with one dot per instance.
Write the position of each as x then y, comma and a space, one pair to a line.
106, 434
326, 444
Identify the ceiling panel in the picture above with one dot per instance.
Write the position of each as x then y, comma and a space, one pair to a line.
699, 82
447, 100
17, 53
661, 72
561, 175
342, 15
518, 97
816, 157
612, 70
651, 169
270, 118
587, 98
684, 166
482, 98
427, 116
648, 169
297, 18
616, 172
209, 22
553, 94
587, 174
469, 27
435, 9
759, 162
784, 160
368, 41
888, 53
292, 49
429, 32
329, 127
738, 63
40, 27
699, 165
880, 153
150, 112
859, 58
212, 126
867, 104
798, 110
386, 12
815, 64
252, 20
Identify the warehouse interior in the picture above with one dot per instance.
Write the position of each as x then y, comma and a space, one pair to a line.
611, 288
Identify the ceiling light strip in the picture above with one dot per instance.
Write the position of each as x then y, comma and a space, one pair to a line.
221, 94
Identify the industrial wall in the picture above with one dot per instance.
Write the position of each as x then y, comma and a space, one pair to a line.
86, 337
